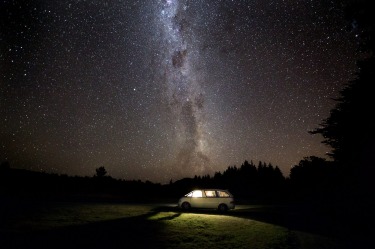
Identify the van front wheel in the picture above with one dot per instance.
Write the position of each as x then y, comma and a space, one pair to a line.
185, 206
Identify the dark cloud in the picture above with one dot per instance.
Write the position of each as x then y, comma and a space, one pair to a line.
178, 58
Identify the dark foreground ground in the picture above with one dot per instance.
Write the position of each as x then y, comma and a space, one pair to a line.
36, 224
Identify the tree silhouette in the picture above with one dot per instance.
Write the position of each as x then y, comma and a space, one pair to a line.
350, 128
100, 172
309, 172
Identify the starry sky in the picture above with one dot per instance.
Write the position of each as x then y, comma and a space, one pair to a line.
166, 89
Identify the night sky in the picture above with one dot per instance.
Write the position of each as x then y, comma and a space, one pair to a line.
166, 89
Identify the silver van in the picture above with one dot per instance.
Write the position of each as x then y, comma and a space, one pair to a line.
208, 198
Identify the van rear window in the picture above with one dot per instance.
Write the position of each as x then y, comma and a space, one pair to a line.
223, 194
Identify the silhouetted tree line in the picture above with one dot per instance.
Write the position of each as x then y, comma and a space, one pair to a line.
39, 185
312, 179
264, 182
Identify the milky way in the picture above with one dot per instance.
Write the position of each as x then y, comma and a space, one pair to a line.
183, 91
168, 89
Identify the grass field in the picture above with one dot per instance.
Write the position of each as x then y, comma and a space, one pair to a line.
100, 225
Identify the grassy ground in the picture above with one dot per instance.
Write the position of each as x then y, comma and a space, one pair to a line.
192, 230
94, 225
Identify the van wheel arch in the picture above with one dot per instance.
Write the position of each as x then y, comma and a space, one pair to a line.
222, 207
185, 205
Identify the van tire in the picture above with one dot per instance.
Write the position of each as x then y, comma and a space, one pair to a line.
185, 206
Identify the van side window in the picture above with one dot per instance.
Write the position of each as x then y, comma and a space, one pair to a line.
210, 193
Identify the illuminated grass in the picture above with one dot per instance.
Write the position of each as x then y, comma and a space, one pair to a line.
212, 231
164, 227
